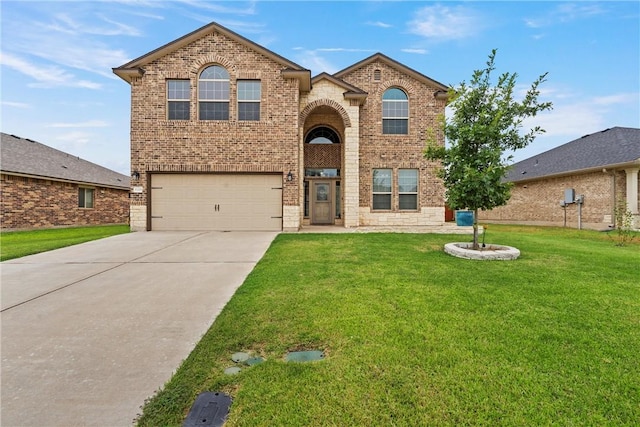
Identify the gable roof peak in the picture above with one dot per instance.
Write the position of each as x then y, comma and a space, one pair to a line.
134, 68
378, 56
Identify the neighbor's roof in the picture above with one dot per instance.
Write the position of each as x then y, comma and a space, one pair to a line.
30, 158
611, 148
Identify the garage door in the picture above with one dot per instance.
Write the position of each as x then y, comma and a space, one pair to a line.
234, 202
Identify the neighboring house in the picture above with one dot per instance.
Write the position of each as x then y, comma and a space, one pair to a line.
602, 167
227, 135
44, 188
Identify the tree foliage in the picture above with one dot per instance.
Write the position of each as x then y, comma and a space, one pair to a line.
486, 122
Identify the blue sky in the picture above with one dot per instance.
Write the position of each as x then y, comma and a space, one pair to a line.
56, 56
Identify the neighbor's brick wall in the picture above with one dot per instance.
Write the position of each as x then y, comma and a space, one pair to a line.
29, 203
268, 145
397, 151
538, 202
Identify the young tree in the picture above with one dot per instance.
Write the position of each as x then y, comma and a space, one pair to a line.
486, 122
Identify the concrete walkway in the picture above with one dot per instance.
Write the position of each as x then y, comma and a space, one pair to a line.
90, 331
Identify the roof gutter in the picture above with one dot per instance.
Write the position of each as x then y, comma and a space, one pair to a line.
303, 76
69, 181
128, 74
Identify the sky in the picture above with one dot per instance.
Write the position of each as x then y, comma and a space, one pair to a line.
58, 88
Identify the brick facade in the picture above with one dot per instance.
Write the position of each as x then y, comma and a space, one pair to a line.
31, 203
378, 150
538, 201
275, 143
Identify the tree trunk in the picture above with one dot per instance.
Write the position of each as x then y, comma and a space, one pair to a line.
475, 230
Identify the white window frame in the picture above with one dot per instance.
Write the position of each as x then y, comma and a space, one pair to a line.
214, 99
408, 193
389, 102
375, 192
187, 99
243, 99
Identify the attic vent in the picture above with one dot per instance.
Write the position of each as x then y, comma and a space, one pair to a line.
377, 74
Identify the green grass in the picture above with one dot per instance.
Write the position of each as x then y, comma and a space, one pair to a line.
15, 244
416, 337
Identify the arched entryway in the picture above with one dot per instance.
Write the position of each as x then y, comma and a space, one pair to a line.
323, 168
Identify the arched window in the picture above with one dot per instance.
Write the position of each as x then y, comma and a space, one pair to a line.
322, 135
213, 93
395, 112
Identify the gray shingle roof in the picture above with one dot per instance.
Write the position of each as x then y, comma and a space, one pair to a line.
603, 149
27, 157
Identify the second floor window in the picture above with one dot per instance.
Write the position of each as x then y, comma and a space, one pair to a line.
178, 95
249, 93
395, 112
213, 93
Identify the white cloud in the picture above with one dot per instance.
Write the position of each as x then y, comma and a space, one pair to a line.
312, 61
342, 49
618, 98
573, 119
66, 24
418, 51
46, 76
73, 142
440, 22
379, 24
79, 53
87, 124
565, 12
16, 104
221, 7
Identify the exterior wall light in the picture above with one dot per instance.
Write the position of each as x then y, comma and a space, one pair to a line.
290, 176
135, 175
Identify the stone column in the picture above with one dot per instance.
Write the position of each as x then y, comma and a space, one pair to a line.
632, 195
351, 174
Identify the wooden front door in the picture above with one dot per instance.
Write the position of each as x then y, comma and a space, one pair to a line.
322, 202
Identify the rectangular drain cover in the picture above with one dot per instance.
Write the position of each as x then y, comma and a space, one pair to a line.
209, 409
304, 356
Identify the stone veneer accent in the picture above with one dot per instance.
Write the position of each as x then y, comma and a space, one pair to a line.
31, 203
426, 217
138, 217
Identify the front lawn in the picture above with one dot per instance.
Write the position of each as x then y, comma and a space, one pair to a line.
15, 244
415, 337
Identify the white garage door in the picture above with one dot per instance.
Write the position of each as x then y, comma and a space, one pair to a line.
233, 202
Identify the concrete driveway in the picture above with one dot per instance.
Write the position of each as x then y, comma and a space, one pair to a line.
90, 331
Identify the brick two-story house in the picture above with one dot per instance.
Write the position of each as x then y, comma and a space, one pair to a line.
227, 135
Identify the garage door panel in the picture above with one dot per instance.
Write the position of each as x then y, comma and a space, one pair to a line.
216, 202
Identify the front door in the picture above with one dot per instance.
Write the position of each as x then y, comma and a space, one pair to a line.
322, 203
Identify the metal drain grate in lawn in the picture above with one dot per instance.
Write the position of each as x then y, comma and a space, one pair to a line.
210, 410
304, 356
